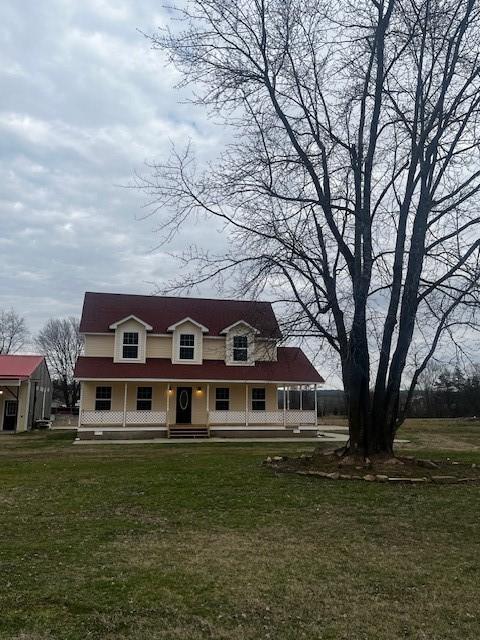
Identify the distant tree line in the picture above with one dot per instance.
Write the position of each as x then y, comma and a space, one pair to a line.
443, 392
448, 393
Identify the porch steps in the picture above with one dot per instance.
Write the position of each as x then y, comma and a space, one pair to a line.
190, 431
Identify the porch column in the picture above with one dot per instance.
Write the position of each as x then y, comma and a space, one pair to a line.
316, 402
27, 407
168, 406
301, 398
284, 406
246, 405
125, 405
208, 404
80, 408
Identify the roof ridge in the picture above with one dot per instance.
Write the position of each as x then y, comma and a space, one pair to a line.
146, 295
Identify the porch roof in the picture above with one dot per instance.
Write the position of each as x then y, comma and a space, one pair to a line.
292, 366
13, 367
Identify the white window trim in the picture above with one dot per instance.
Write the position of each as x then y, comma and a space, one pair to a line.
139, 338
250, 362
197, 349
118, 323
186, 346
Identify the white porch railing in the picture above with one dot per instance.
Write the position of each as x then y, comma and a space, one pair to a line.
299, 417
117, 417
292, 417
146, 417
101, 417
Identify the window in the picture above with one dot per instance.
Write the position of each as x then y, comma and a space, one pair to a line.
187, 346
103, 399
222, 399
130, 345
144, 398
240, 348
258, 399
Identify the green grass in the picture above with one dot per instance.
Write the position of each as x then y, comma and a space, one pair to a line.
200, 541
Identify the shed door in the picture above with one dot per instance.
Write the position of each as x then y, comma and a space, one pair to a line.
10, 415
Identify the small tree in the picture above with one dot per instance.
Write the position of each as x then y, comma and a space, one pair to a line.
351, 182
13, 332
61, 342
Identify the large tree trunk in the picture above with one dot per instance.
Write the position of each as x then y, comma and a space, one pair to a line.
368, 435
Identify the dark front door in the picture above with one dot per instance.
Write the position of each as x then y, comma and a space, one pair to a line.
10, 415
184, 405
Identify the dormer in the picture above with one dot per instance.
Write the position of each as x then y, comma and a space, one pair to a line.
130, 339
240, 344
187, 341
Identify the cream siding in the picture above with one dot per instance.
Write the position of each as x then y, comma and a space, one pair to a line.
213, 348
159, 347
100, 346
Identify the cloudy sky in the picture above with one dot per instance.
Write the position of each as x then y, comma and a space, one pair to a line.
85, 103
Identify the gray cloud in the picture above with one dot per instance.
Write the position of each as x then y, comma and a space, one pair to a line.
84, 103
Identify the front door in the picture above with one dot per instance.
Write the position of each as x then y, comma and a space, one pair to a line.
184, 405
10, 415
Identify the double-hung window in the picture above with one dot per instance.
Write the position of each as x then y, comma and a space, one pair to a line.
144, 398
187, 346
130, 345
103, 399
222, 399
240, 348
258, 399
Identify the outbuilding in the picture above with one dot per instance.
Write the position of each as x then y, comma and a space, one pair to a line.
25, 392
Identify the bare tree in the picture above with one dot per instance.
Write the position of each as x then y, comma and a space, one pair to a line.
13, 332
351, 180
61, 342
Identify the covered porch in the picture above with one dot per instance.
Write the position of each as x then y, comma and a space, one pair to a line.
218, 408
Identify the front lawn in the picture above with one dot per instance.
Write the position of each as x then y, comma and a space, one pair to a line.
195, 541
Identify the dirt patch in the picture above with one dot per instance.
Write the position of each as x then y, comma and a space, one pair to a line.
400, 469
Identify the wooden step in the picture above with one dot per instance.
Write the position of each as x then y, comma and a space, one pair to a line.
188, 431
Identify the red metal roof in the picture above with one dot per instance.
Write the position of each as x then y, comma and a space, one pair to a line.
15, 367
100, 310
292, 366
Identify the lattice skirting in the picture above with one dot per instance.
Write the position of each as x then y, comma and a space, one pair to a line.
116, 417
292, 417
146, 417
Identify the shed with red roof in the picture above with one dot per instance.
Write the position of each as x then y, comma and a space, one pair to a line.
25, 392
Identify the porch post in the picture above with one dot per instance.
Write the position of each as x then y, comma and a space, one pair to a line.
208, 404
301, 398
27, 411
80, 408
246, 405
168, 406
125, 405
316, 402
284, 406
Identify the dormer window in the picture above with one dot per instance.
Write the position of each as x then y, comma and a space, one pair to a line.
240, 348
130, 345
187, 346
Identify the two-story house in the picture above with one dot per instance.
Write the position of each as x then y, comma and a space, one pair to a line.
167, 366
